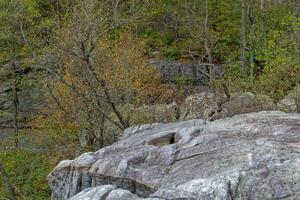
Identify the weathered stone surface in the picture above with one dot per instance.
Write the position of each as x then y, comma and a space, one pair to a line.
266, 102
250, 156
172, 71
291, 101
29, 96
198, 106
205, 105
95, 193
288, 104
202, 105
107, 192
240, 103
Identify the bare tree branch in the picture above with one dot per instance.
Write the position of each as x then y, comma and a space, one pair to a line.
7, 182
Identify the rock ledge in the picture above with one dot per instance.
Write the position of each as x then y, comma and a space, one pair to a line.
251, 156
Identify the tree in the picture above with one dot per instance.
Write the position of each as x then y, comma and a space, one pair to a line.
251, 19
87, 63
243, 37
7, 182
18, 18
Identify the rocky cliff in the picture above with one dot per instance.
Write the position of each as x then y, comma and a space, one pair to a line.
19, 88
250, 156
174, 71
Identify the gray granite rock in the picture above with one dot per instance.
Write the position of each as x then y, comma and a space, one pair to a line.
252, 156
174, 71
288, 104
205, 105
291, 103
95, 193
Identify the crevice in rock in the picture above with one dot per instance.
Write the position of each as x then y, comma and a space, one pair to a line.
165, 140
133, 186
79, 185
105, 195
230, 192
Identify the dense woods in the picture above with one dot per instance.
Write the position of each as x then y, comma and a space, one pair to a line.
73, 72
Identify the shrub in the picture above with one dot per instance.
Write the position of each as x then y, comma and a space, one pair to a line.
28, 172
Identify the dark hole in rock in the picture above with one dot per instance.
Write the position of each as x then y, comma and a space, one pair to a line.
165, 140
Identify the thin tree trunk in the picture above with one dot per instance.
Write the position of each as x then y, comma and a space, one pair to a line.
7, 182
102, 126
102, 82
132, 7
15, 106
262, 28
251, 19
296, 9
119, 124
297, 96
15, 94
189, 18
115, 8
206, 41
262, 5
243, 38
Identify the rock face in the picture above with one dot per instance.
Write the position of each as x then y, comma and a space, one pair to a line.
252, 156
28, 95
205, 105
173, 71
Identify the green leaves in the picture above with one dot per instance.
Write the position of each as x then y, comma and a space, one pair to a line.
27, 172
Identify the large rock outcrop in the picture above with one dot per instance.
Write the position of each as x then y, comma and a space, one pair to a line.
175, 71
252, 156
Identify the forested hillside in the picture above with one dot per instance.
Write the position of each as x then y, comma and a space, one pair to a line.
76, 73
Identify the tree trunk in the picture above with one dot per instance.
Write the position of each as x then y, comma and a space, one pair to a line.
243, 38
189, 18
15, 105
262, 5
251, 19
102, 127
115, 10
7, 182
296, 9
206, 41
132, 6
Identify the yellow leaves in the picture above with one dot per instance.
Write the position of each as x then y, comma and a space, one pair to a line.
128, 78
126, 70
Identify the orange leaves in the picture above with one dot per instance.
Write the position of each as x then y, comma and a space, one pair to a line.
128, 72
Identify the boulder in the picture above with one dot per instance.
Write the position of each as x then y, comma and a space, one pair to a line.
288, 104
240, 103
266, 102
206, 105
198, 106
155, 113
291, 102
249, 156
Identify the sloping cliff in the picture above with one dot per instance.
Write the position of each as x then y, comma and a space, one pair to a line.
251, 156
